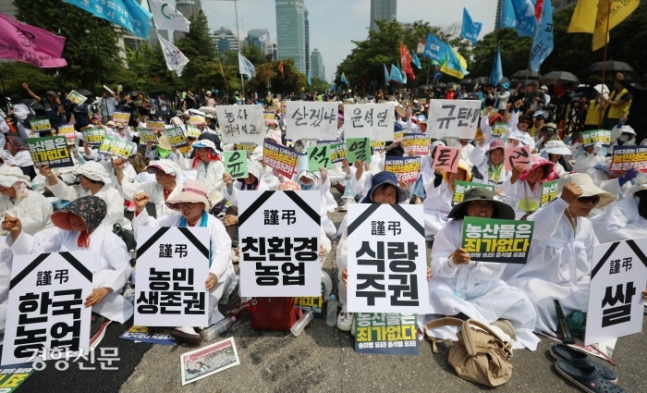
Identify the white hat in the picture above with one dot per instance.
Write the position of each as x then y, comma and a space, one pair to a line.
602, 89
626, 129
205, 143
193, 191
641, 185
93, 171
166, 166
10, 175
588, 187
554, 146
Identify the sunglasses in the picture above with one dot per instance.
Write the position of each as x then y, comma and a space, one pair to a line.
594, 198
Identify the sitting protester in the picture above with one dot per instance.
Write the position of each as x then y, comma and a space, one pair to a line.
31, 207
625, 219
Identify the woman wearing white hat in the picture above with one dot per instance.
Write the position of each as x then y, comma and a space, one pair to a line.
29, 206
209, 166
626, 218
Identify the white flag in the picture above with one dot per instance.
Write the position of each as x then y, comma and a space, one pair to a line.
263, 38
167, 17
175, 60
246, 67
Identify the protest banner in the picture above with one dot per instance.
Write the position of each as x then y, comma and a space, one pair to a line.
193, 132
461, 187
148, 335
390, 334
11, 377
146, 135
628, 157
338, 152
121, 117
618, 276
415, 143
68, 131
117, 147
197, 120
495, 240
268, 116
358, 149
518, 155
404, 168
76, 97
241, 123
176, 137
447, 159
319, 157
311, 303
398, 136
548, 192
373, 121
453, 118
172, 267
93, 136
499, 129
47, 293
209, 360
155, 125
377, 145
279, 157
236, 164
311, 120
51, 151
40, 125
592, 137
248, 147
387, 263
279, 243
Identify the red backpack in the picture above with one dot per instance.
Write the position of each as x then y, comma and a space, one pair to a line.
273, 313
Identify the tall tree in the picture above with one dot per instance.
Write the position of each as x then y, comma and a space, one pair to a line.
197, 47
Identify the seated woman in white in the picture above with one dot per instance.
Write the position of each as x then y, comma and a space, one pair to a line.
626, 218
526, 184
31, 207
460, 286
190, 210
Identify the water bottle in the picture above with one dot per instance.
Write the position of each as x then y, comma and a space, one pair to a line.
299, 325
331, 317
218, 328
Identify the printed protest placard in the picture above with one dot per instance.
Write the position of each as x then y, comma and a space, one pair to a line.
518, 155
197, 120
319, 157
390, 334
38, 125
461, 187
592, 137
398, 136
415, 143
172, 267
453, 118
279, 157
447, 158
76, 97
47, 292
627, 157
176, 137
156, 125
11, 377
373, 121
338, 152
494, 240
405, 168
377, 145
236, 164
310, 303
241, 123
311, 120
148, 335
93, 136
358, 149
193, 132
618, 276
51, 151
68, 131
387, 263
548, 192
121, 117
146, 135
208, 360
279, 243
117, 147
499, 129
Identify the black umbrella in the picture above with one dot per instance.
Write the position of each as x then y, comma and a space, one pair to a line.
504, 80
526, 74
466, 82
481, 80
609, 65
559, 78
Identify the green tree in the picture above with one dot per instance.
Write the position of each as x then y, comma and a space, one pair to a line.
198, 48
147, 70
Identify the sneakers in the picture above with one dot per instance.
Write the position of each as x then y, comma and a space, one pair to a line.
98, 330
187, 335
345, 320
344, 206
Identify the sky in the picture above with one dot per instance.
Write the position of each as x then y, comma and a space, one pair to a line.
335, 23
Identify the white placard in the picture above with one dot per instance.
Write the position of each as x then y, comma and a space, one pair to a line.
387, 263
618, 277
172, 268
241, 123
279, 243
46, 296
311, 120
453, 118
375, 121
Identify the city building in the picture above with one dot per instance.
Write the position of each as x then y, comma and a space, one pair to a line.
225, 40
272, 49
259, 38
317, 65
306, 25
383, 10
290, 31
188, 8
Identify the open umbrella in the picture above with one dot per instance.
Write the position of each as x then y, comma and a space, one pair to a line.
559, 78
522, 74
504, 80
609, 65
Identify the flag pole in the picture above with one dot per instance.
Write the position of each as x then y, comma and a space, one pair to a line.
242, 83
604, 63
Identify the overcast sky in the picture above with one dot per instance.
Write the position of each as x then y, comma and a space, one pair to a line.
334, 23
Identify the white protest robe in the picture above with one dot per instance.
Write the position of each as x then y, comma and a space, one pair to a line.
620, 221
112, 268
220, 250
480, 158
33, 210
437, 204
522, 190
155, 191
6, 260
559, 264
476, 290
210, 174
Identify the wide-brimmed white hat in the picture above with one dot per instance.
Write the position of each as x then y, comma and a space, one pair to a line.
554, 146
166, 166
194, 191
11, 175
588, 187
641, 185
93, 171
206, 144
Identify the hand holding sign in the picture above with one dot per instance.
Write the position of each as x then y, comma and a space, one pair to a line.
236, 164
358, 149
519, 155
447, 158
319, 157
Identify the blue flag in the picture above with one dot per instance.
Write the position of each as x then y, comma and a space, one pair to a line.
344, 80
542, 43
125, 13
415, 60
434, 48
333, 86
396, 75
526, 22
508, 18
309, 80
497, 70
470, 30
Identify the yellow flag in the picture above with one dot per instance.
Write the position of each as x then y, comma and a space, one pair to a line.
619, 11
451, 69
583, 20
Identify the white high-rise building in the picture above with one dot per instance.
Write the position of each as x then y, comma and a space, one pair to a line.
383, 10
316, 65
